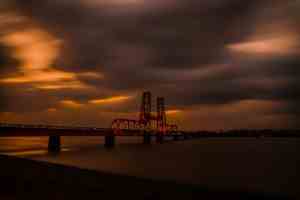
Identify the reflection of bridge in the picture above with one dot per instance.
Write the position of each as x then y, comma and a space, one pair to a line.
148, 126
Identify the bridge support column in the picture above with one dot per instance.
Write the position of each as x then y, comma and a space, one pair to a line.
109, 141
176, 137
54, 144
159, 138
147, 137
185, 136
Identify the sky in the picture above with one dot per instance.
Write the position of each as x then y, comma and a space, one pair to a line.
220, 64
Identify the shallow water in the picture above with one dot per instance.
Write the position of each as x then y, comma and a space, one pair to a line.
267, 164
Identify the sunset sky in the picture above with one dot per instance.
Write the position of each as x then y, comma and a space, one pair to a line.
220, 64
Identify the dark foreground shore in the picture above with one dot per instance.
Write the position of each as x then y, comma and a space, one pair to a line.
27, 179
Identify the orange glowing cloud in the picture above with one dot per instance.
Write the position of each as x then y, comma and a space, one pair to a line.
51, 76
37, 50
34, 47
109, 100
173, 112
275, 46
51, 110
91, 75
60, 85
112, 2
71, 104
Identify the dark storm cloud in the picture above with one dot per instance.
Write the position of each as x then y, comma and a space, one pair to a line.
186, 36
8, 63
24, 100
190, 35
7, 66
275, 79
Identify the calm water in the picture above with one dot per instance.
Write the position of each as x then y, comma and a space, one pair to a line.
268, 164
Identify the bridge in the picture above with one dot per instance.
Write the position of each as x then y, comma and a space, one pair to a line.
148, 125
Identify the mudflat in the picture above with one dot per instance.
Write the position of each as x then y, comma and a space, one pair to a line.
28, 179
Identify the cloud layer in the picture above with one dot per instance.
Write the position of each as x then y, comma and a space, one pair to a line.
208, 58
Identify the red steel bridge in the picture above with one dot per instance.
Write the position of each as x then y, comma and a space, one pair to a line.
147, 121
147, 125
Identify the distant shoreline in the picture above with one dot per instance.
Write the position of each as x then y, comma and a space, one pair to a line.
9, 130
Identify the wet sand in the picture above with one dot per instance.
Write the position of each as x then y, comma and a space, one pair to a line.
28, 179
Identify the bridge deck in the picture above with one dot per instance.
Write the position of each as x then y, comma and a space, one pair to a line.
36, 132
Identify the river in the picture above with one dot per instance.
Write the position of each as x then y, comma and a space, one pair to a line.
269, 165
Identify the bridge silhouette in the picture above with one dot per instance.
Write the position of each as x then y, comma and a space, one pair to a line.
148, 125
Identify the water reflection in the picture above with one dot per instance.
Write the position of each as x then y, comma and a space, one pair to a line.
32, 152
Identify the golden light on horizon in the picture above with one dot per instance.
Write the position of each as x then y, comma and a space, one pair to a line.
114, 99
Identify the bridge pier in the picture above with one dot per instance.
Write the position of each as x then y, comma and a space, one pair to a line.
185, 136
159, 138
109, 141
54, 144
176, 137
147, 137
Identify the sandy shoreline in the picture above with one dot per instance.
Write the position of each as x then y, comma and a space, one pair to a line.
27, 179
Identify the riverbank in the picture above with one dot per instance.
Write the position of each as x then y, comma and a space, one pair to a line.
28, 179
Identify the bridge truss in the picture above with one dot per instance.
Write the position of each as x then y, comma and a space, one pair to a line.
147, 121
